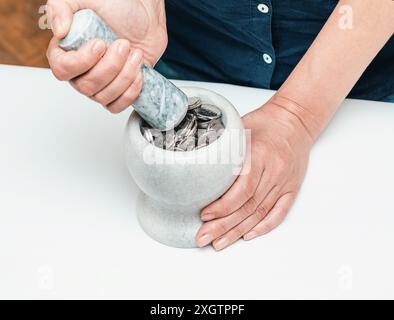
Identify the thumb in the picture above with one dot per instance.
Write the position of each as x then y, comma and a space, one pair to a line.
60, 13
60, 16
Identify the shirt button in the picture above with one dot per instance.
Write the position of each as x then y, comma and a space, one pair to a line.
263, 8
267, 58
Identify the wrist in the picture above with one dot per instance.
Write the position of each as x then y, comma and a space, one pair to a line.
298, 115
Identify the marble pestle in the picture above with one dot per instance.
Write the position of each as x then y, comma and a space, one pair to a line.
161, 103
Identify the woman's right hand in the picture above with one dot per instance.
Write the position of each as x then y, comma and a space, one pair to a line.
110, 75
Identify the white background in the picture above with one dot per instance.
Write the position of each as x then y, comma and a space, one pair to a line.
68, 225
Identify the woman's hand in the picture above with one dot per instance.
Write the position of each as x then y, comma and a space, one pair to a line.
259, 199
284, 129
110, 76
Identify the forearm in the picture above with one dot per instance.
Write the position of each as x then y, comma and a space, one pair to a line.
335, 61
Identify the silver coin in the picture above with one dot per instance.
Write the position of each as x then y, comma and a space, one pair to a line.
207, 137
194, 102
170, 140
187, 144
186, 128
158, 138
215, 125
202, 124
207, 112
193, 130
147, 134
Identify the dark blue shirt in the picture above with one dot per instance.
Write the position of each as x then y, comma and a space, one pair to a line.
256, 43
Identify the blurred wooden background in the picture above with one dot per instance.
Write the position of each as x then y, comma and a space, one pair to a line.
22, 42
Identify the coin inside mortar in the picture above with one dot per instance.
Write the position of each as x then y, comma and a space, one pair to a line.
207, 112
194, 102
202, 124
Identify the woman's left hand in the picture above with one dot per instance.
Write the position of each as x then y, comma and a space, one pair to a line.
259, 199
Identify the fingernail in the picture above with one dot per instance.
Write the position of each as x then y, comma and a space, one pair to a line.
207, 216
136, 56
123, 48
251, 235
99, 46
204, 240
221, 244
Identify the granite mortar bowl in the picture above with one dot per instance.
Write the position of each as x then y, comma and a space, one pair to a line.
175, 186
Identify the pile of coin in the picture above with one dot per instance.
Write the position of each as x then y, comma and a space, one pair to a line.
201, 126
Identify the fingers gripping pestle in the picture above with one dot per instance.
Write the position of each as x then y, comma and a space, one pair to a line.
160, 103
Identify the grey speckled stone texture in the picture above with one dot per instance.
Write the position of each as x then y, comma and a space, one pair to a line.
160, 103
175, 186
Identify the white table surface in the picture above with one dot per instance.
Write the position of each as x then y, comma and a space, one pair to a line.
68, 225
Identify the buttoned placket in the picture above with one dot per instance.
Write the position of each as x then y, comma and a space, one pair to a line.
262, 15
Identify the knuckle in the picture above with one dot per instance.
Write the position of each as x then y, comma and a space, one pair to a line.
112, 66
132, 77
126, 77
98, 99
248, 189
250, 205
221, 208
130, 95
84, 87
59, 72
261, 211
236, 233
82, 61
219, 228
102, 99
219, 205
